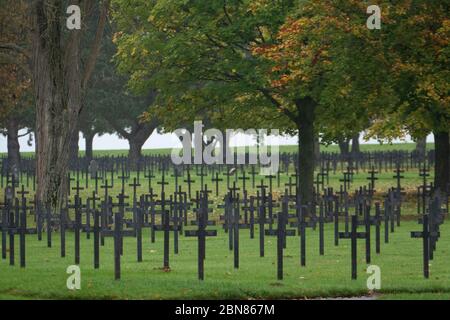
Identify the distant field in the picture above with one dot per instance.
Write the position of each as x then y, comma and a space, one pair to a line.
287, 148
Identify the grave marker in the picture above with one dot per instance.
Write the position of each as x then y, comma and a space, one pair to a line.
354, 235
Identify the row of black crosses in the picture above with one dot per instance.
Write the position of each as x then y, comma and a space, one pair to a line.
361, 160
111, 168
432, 206
257, 210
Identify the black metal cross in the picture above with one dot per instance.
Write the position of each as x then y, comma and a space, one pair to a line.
134, 185
262, 187
118, 233
372, 178
8, 225
69, 180
202, 175
76, 226
97, 178
189, 181
233, 190
176, 174
96, 229
302, 211
290, 184
236, 225
22, 192
346, 180
149, 176
23, 231
243, 178
166, 227
202, 233
5, 216
354, 235
123, 177
106, 212
281, 233
426, 234
253, 174
424, 188
77, 188
398, 176
270, 177
163, 181
216, 180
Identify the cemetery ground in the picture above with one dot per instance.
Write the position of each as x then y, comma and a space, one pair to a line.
324, 276
385, 181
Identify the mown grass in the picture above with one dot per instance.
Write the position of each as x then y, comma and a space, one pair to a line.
324, 276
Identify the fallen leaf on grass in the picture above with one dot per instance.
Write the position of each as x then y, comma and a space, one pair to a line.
276, 284
165, 269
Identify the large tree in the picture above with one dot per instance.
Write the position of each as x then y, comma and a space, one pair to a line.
204, 49
15, 96
418, 43
403, 68
124, 112
112, 107
311, 66
60, 78
270, 60
408, 61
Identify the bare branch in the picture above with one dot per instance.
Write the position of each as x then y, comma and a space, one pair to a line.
25, 134
14, 47
7, 59
96, 45
116, 126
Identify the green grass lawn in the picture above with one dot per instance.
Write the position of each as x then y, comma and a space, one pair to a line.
324, 276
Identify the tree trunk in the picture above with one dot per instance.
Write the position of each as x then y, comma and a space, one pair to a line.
136, 140
344, 147
74, 149
13, 143
355, 144
442, 160
421, 147
225, 146
89, 141
316, 148
58, 80
35, 142
306, 136
56, 100
135, 152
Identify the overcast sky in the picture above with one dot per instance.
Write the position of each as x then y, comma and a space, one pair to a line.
157, 141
